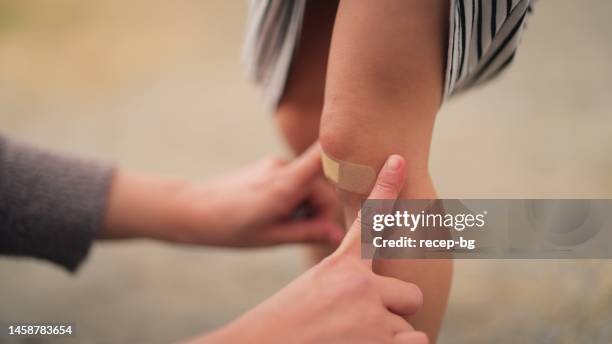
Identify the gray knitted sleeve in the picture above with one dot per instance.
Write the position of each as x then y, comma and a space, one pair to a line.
51, 205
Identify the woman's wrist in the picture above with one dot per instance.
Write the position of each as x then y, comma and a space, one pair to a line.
144, 206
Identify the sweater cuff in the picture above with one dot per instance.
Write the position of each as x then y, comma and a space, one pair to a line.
51, 205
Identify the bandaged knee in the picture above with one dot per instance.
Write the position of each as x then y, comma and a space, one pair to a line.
348, 176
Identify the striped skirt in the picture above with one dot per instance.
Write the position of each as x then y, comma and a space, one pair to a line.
483, 39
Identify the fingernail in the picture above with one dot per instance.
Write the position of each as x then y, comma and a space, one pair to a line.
394, 162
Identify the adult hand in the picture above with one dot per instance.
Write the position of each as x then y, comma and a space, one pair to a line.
340, 300
268, 203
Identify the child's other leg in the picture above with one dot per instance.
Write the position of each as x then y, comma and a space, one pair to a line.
299, 111
384, 86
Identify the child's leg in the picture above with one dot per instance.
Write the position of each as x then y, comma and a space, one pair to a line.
299, 111
384, 86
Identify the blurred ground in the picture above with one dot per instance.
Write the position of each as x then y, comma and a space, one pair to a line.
157, 86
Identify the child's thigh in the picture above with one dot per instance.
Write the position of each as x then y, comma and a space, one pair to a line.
299, 110
385, 81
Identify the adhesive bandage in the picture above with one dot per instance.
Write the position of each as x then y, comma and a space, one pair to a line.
348, 176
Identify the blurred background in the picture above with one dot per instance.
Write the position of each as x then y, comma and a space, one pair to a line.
158, 86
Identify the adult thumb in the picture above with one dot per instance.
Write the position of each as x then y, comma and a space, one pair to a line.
388, 185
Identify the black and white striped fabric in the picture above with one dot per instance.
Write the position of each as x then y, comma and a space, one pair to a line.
483, 39
484, 36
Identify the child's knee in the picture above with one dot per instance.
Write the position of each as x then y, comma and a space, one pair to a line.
369, 139
348, 133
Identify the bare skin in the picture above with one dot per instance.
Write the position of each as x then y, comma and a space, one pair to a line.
299, 111
248, 208
339, 300
382, 76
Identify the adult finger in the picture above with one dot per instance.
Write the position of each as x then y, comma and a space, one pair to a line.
401, 298
305, 167
410, 337
397, 324
388, 185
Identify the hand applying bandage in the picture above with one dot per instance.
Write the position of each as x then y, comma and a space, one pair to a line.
339, 300
267, 203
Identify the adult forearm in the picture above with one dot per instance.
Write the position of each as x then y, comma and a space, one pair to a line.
51, 205
143, 206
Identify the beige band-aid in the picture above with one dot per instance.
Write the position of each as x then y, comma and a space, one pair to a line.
347, 175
